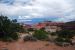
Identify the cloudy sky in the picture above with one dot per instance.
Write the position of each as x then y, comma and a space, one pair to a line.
33, 11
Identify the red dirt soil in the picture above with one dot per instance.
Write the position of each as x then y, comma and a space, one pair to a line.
39, 45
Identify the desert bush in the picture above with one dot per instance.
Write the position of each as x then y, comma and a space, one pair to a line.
64, 36
40, 35
9, 29
29, 38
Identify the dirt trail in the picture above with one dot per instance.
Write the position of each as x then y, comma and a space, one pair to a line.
39, 45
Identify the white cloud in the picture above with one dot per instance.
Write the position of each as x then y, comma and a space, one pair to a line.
62, 9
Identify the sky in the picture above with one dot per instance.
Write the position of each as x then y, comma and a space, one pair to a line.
33, 11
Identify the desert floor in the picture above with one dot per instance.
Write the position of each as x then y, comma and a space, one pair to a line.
39, 45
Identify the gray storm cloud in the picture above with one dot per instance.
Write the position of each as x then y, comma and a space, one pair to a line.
63, 10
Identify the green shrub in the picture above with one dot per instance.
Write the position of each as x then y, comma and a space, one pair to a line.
64, 36
8, 29
40, 34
